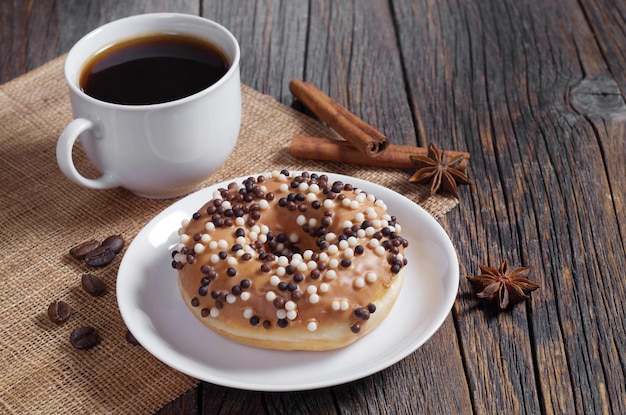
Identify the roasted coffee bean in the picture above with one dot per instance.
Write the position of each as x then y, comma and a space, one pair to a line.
84, 338
99, 257
80, 251
114, 242
59, 312
131, 339
93, 285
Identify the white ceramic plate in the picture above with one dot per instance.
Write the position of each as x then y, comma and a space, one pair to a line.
153, 310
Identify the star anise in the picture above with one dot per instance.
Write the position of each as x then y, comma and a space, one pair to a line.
439, 172
504, 285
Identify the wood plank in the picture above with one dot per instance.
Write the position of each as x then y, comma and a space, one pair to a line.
604, 112
605, 95
404, 388
18, 24
448, 43
352, 55
272, 37
186, 404
495, 78
77, 18
608, 26
274, 45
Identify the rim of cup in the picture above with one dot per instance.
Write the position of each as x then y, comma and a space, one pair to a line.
73, 70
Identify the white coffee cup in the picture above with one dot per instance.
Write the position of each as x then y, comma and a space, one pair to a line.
160, 150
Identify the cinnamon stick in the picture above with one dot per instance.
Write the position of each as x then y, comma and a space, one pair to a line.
368, 140
395, 156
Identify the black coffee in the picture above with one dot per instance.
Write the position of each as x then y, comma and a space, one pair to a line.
153, 69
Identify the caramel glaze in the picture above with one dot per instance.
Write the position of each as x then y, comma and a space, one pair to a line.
324, 258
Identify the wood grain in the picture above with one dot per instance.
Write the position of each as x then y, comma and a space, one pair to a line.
535, 91
272, 36
541, 197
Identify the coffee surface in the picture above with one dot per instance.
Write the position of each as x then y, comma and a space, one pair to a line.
153, 69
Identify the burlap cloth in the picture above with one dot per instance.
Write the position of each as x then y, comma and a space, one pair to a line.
43, 215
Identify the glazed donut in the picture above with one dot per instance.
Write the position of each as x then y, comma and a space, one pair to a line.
291, 262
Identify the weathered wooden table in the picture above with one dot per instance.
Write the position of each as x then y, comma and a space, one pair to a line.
534, 90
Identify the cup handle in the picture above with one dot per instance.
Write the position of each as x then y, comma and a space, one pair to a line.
66, 141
